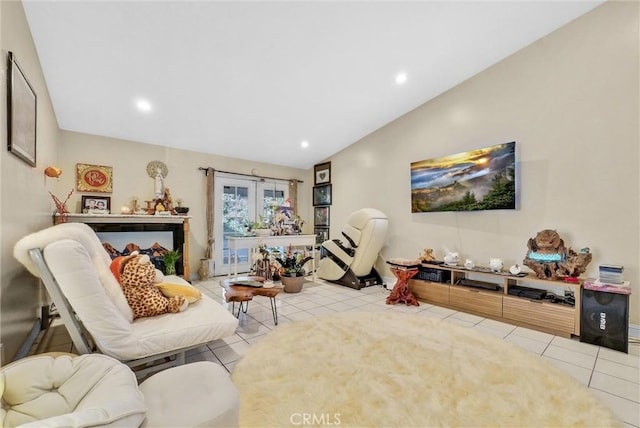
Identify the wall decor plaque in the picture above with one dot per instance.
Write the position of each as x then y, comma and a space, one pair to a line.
94, 178
21, 113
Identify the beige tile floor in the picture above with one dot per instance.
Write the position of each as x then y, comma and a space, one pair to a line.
611, 375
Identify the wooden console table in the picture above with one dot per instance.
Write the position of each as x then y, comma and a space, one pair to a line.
177, 224
554, 318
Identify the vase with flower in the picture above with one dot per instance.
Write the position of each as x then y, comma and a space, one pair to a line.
292, 270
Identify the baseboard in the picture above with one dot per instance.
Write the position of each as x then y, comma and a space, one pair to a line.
389, 282
634, 331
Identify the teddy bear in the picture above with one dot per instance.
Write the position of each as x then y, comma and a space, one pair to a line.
136, 275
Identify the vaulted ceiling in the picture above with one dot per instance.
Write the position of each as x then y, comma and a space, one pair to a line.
254, 80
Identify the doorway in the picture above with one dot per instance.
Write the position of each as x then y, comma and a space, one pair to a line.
238, 203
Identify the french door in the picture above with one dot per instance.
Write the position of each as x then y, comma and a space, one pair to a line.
239, 202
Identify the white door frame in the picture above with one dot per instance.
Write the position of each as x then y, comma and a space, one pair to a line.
256, 187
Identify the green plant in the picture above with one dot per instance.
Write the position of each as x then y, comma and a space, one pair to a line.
170, 258
262, 224
292, 264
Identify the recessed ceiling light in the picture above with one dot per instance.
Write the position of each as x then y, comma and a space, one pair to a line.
401, 78
143, 105
304, 144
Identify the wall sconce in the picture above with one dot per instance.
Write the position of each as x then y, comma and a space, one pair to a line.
52, 172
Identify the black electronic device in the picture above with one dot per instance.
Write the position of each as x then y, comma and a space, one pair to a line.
527, 292
434, 275
478, 284
605, 319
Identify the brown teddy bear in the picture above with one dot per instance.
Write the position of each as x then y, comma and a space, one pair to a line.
136, 275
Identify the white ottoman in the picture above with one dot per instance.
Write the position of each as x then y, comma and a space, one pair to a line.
70, 391
198, 394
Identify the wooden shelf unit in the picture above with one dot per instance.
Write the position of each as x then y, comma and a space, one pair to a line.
554, 318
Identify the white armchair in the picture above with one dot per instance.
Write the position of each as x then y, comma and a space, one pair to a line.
97, 390
74, 267
351, 263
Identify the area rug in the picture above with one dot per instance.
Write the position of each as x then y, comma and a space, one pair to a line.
395, 370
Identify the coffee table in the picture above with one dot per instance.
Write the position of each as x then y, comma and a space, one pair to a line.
243, 294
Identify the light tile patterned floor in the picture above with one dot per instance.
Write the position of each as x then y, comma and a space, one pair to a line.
613, 376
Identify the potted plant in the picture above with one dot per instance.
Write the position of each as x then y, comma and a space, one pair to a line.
170, 258
261, 228
292, 270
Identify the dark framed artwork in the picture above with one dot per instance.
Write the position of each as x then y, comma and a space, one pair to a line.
322, 173
21, 113
93, 204
322, 234
321, 216
322, 194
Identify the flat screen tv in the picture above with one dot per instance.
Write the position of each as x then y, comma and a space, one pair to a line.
481, 179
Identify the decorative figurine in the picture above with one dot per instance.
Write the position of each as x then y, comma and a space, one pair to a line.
515, 269
550, 259
427, 255
496, 264
451, 258
469, 264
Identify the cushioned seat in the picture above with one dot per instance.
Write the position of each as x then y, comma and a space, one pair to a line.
351, 263
97, 390
198, 394
89, 390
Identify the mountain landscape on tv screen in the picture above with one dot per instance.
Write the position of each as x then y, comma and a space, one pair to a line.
482, 179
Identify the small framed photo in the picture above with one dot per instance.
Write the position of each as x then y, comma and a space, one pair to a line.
322, 194
21, 113
322, 173
322, 234
321, 216
96, 204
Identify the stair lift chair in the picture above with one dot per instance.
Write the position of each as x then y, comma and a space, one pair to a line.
351, 263
74, 267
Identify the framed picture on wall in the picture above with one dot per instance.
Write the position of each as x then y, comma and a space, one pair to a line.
322, 234
322, 194
96, 204
94, 178
321, 216
21, 113
322, 173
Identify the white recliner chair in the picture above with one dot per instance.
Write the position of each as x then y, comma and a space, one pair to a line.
95, 390
74, 267
351, 263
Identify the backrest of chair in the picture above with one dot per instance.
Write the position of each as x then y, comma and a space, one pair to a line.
88, 240
77, 264
81, 284
367, 228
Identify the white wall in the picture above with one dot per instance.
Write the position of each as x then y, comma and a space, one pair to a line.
570, 101
24, 201
129, 161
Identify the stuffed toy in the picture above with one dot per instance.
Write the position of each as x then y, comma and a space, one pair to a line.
136, 275
191, 293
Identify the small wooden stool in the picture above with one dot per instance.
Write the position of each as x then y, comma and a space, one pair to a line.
244, 293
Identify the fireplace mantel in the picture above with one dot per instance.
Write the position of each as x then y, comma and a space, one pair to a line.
177, 224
